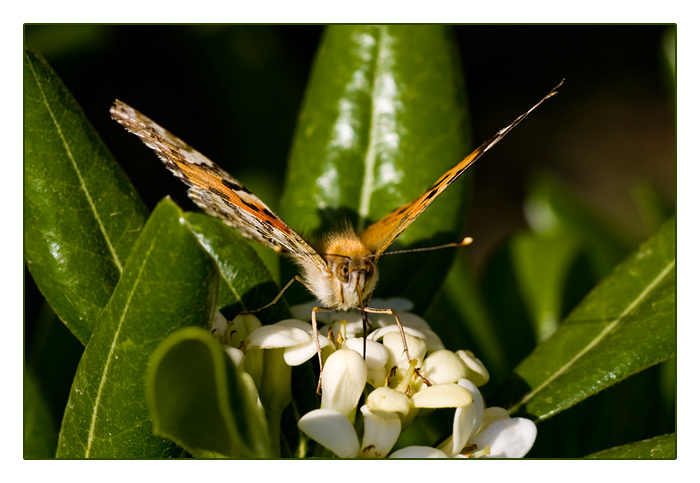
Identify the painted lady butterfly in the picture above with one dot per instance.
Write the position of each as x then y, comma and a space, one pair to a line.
341, 272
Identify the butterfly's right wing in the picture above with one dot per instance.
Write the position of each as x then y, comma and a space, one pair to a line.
381, 234
216, 191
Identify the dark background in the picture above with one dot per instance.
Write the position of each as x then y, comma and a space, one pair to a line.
233, 92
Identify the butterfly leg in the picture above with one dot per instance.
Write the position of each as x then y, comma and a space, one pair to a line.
314, 325
277, 298
398, 323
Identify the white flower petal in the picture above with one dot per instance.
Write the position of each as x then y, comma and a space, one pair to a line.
376, 354
303, 312
492, 414
477, 372
297, 355
397, 356
386, 400
218, 325
348, 324
407, 320
443, 366
376, 377
276, 337
381, 433
331, 429
431, 338
478, 405
466, 422
418, 452
299, 324
508, 438
236, 355
241, 327
342, 381
397, 303
442, 396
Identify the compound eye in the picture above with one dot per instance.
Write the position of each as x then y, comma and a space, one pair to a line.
369, 269
343, 272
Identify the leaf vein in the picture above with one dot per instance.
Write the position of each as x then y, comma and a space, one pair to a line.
93, 208
598, 338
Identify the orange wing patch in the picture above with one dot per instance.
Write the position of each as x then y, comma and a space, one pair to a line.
381, 234
216, 191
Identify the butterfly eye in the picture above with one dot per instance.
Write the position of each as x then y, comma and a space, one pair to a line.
342, 271
368, 267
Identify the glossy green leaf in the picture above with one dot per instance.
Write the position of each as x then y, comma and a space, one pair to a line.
626, 324
81, 213
169, 282
660, 447
199, 400
40, 433
383, 118
246, 283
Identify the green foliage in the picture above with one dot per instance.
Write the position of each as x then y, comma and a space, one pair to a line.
384, 116
245, 282
81, 214
40, 432
199, 400
661, 447
169, 282
626, 324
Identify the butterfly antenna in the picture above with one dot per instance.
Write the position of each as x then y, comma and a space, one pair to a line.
466, 241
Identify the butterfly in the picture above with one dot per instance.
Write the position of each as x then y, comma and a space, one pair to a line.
341, 271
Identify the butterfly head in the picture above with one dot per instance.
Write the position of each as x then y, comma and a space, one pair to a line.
350, 276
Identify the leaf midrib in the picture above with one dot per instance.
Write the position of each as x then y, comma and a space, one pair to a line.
368, 183
83, 186
597, 339
93, 421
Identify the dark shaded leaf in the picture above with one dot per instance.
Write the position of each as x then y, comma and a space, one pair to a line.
661, 447
383, 118
169, 282
461, 318
81, 214
541, 264
626, 324
52, 354
245, 282
553, 212
199, 400
40, 433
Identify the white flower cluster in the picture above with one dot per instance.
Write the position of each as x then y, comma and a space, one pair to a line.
433, 378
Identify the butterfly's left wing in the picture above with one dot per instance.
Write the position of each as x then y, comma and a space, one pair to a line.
216, 191
381, 234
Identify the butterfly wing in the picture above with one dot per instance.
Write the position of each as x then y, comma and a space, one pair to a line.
381, 234
216, 191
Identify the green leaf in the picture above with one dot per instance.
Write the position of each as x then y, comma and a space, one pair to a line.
552, 211
199, 400
246, 283
460, 316
52, 354
384, 117
169, 282
541, 264
626, 324
81, 213
660, 447
40, 433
